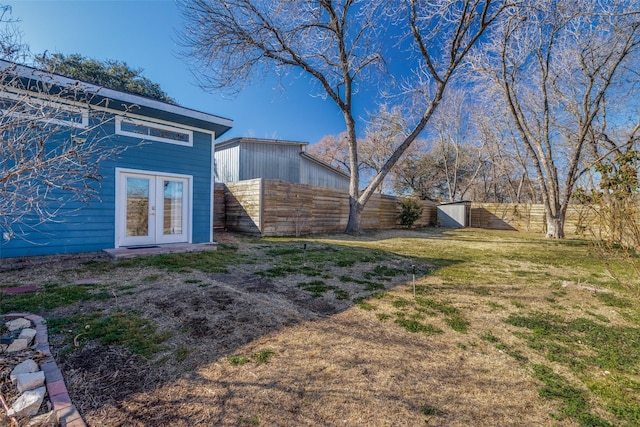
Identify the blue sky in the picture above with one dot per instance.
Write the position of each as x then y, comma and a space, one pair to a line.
143, 34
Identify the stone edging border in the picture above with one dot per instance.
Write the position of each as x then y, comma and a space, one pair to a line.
66, 412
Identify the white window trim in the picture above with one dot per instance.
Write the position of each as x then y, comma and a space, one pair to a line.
119, 131
47, 103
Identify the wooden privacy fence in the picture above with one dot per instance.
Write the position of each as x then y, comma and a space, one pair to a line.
270, 207
530, 217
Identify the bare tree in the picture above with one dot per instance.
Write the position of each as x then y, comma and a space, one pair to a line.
556, 65
11, 46
444, 171
456, 144
506, 176
384, 132
333, 150
52, 147
340, 45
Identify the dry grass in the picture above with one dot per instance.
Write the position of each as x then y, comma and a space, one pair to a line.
323, 360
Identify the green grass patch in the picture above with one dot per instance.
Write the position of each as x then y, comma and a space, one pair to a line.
316, 287
422, 290
582, 342
496, 306
586, 345
574, 401
614, 301
429, 410
205, 261
400, 302
263, 356
596, 316
383, 317
373, 286
51, 296
481, 290
413, 325
364, 305
340, 294
316, 261
383, 272
129, 330
368, 285
238, 360
323, 254
181, 353
443, 307
250, 421
488, 336
457, 323
619, 394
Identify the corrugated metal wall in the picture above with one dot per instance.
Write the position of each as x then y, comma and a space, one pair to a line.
314, 174
269, 161
227, 164
245, 159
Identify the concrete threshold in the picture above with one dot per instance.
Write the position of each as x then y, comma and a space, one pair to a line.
135, 251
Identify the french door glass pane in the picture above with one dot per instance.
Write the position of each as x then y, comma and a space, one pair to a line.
137, 206
173, 207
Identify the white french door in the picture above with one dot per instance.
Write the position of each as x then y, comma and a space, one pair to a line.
152, 209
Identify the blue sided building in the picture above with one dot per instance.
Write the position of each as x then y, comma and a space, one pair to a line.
156, 189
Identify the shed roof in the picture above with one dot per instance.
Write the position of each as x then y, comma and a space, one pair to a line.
234, 141
120, 101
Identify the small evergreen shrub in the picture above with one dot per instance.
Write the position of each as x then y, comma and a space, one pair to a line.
411, 211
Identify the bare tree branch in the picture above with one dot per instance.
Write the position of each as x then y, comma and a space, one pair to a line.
339, 44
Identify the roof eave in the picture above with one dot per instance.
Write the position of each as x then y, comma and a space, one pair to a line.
125, 102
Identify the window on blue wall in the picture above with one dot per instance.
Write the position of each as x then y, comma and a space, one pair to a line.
29, 108
153, 131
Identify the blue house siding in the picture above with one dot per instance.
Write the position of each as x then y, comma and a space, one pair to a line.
86, 228
179, 149
174, 159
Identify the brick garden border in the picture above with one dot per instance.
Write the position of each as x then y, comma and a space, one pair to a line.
66, 412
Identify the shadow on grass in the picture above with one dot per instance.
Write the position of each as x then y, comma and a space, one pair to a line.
240, 299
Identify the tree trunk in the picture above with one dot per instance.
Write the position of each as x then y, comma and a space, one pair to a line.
355, 209
555, 225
